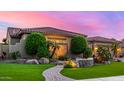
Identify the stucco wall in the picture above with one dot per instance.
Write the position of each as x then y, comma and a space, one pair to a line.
21, 45
14, 41
18, 47
0, 49
4, 48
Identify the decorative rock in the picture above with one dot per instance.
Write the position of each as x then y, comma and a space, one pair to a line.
60, 62
85, 62
20, 61
106, 62
44, 61
32, 61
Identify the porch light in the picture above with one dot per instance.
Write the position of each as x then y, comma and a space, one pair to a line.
119, 49
96, 48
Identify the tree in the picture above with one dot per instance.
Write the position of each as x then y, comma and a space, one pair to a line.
103, 54
115, 46
42, 52
54, 46
4, 41
33, 41
78, 44
87, 53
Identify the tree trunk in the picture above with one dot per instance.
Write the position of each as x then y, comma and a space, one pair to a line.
53, 52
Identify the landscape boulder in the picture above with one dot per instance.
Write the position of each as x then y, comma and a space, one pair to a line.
43, 60
32, 61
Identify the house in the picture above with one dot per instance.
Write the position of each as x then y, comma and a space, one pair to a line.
16, 39
95, 42
122, 46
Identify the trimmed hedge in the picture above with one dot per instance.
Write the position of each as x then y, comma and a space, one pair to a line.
78, 44
42, 52
33, 41
87, 53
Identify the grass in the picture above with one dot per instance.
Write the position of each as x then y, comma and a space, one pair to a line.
113, 69
22, 72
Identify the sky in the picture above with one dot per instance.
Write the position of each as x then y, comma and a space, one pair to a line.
106, 24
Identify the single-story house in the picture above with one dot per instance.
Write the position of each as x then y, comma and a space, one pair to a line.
95, 42
16, 38
122, 46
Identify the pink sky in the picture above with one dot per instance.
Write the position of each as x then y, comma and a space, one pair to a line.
107, 24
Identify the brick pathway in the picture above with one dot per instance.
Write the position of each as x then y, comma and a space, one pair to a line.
53, 74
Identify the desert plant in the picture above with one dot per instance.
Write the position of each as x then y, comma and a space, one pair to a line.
70, 64
15, 55
87, 53
115, 46
52, 47
78, 44
103, 54
33, 41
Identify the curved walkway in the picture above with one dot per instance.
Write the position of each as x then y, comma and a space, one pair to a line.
53, 74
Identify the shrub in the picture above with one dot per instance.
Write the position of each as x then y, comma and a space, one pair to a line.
78, 44
87, 53
15, 55
103, 54
33, 41
42, 52
70, 64
63, 57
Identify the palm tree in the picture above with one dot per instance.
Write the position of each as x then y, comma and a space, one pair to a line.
115, 46
52, 46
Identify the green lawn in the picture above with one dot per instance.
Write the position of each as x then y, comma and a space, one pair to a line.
113, 69
22, 72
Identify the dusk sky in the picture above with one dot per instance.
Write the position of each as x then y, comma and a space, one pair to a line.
106, 24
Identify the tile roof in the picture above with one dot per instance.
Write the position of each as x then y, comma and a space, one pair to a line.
17, 32
101, 39
122, 43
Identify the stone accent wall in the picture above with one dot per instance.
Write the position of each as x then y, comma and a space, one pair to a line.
19, 47
4, 48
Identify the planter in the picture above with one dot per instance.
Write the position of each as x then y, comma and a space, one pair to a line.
85, 62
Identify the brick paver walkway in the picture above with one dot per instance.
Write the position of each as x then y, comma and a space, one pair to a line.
53, 74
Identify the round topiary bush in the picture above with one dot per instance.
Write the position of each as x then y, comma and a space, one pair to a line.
33, 41
42, 52
87, 53
78, 44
